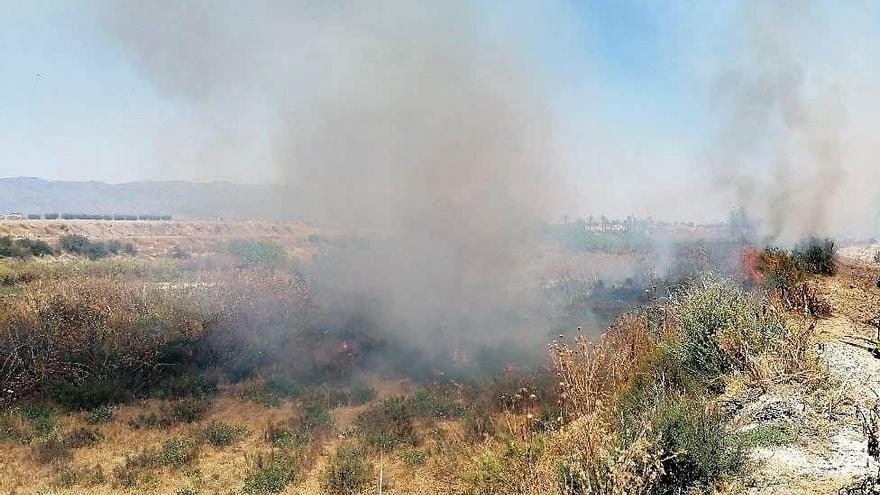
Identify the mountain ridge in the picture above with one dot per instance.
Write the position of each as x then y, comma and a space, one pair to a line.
180, 199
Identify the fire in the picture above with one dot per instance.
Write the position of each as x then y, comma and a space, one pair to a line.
751, 265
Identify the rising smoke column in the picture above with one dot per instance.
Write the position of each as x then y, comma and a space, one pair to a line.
792, 108
403, 118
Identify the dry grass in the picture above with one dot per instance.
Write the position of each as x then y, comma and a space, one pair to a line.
159, 238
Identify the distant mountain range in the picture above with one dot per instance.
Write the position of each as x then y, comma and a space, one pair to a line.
180, 199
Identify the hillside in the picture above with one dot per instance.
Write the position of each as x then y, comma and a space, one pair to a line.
187, 200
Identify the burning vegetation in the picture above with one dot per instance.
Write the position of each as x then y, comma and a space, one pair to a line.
238, 356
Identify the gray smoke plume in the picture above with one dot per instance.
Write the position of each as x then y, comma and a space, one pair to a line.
791, 108
406, 119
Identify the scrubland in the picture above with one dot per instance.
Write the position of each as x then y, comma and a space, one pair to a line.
221, 372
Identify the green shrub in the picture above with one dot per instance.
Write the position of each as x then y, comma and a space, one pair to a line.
282, 436
260, 393
271, 473
703, 312
249, 253
387, 424
187, 410
80, 437
180, 411
507, 467
100, 414
478, 425
180, 253
424, 403
697, 449
84, 476
413, 458
174, 452
816, 255
313, 416
347, 472
221, 435
59, 448
41, 418
80, 245
361, 393
283, 386
782, 271
23, 248
770, 435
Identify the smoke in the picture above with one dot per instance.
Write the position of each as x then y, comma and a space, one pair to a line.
408, 120
793, 106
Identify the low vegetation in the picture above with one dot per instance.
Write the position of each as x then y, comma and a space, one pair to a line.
23, 248
187, 358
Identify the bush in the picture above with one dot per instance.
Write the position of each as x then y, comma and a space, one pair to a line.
80, 437
816, 255
347, 472
781, 270
23, 248
720, 328
478, 425
174, 452
283, 386
271, 473
81, 246
188, 410
424, 403
88, 477
100, 414
256, 253
387, 424
180, 411
221, 435
312, 421
413, 458
179, 253
42, 419
697, 449
361, 393
511, 467
770, 435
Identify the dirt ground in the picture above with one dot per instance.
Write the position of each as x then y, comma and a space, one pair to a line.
831, 452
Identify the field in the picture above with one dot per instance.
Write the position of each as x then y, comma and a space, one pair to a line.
205, 361
156, 238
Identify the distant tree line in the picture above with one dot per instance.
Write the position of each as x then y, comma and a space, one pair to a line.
75, 244
94, 216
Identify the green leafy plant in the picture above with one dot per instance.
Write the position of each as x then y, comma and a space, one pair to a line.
347, 472
271, 473
221, 435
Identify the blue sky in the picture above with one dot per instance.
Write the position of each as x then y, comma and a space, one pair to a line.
629, 83
73, 104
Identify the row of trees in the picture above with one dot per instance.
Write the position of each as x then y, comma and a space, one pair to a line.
94, 216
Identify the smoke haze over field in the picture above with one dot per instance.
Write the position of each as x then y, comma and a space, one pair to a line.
401, 117
796, 111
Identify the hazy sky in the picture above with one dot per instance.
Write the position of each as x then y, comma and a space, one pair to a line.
632, 89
